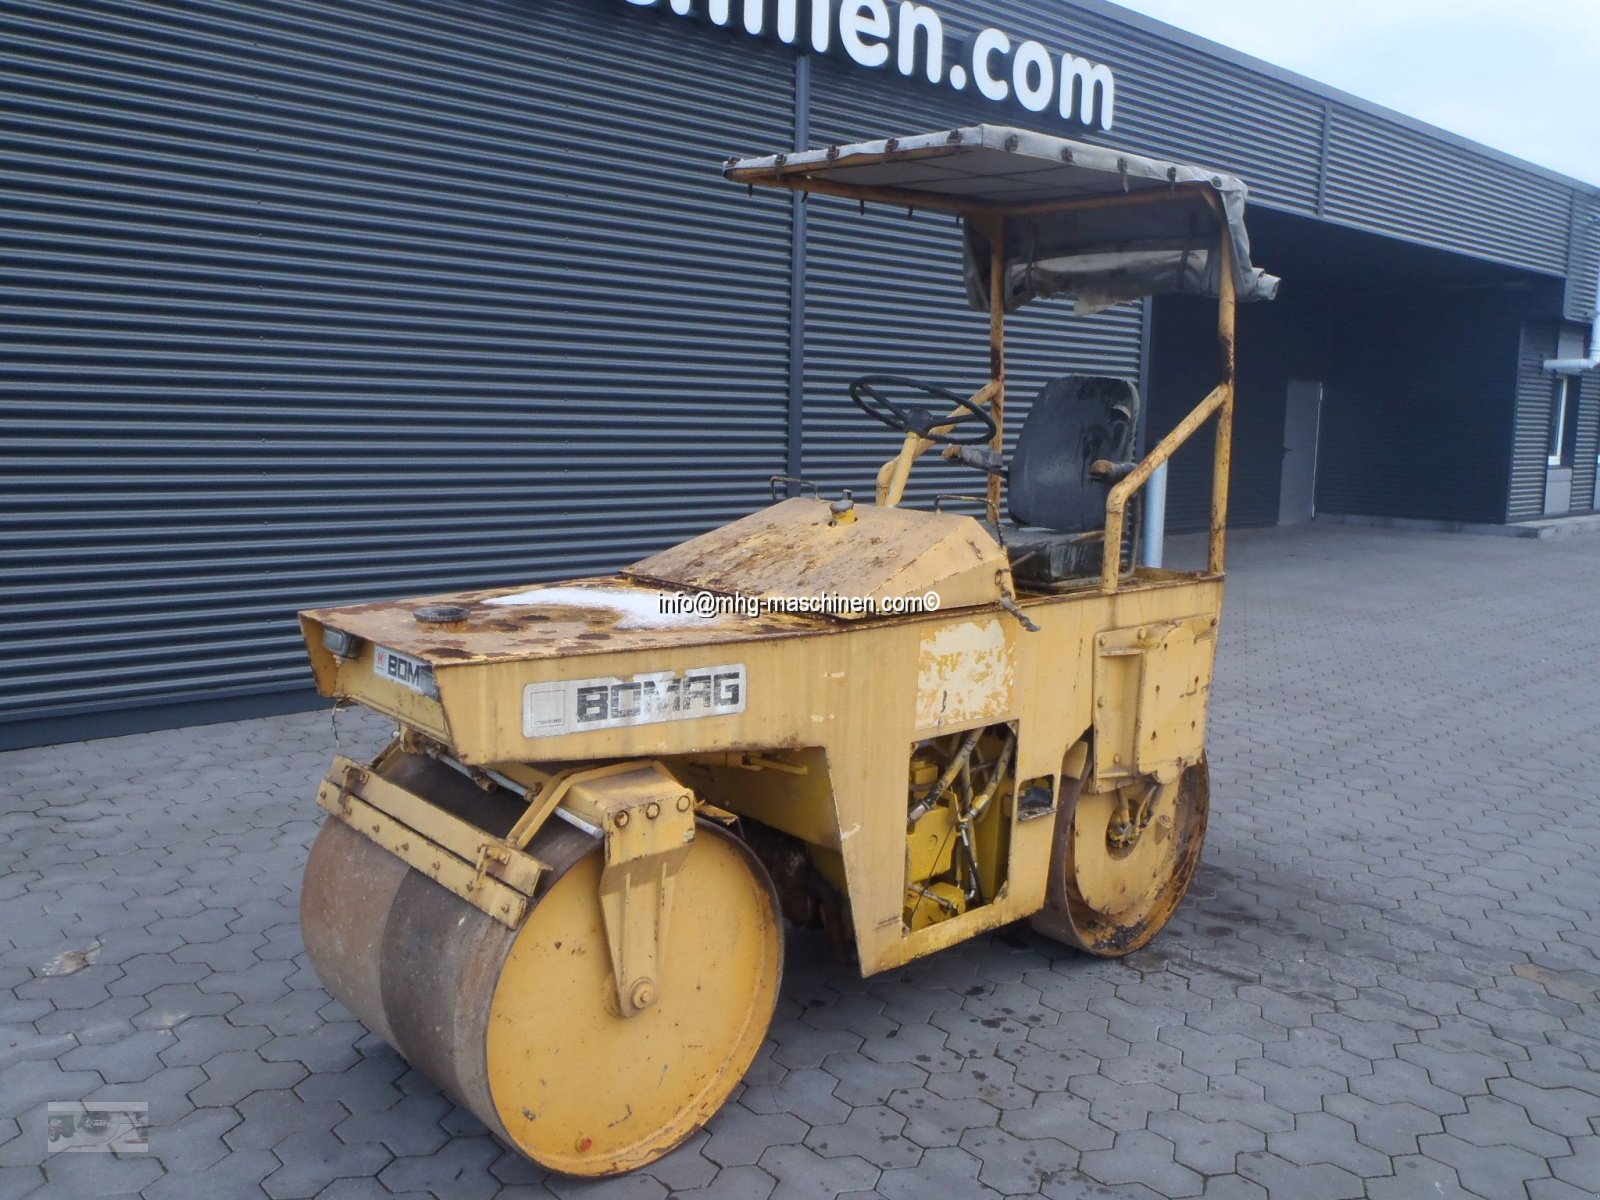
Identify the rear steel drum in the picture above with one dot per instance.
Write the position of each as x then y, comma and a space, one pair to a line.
1109, 894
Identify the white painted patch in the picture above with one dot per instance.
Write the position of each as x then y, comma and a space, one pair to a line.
69, 962
963, 675
632, 610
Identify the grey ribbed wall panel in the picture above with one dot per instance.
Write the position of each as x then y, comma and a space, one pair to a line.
884, 294
1588, 443
310, 302
1384, 177
317, 302
1178, 101
1531, 435
1584, 275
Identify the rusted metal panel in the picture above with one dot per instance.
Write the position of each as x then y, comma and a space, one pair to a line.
1152, 684
796, 549
600, 615
964, 675
837, 702
519, 1026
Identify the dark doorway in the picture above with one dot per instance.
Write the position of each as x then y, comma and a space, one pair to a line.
1415, 353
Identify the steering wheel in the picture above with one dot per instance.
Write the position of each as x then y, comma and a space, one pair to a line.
867, 392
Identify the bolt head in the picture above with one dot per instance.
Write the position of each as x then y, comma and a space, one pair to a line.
643, 994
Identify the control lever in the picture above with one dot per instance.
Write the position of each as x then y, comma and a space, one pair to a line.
981, 458
1107, 471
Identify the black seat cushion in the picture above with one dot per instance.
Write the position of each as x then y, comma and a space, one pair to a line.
1074, 420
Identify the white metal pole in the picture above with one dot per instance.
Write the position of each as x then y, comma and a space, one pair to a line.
1155, 517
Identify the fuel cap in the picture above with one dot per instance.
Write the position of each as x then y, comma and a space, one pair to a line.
441, 614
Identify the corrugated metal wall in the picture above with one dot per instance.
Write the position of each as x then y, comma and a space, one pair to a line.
317, 302
1176, 100
1584, 276
1588, 443
884, 294
1385, 177
1531, 436
312, 302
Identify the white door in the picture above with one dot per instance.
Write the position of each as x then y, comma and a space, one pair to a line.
1302, 417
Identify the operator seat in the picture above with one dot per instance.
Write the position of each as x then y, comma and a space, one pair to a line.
1055, 505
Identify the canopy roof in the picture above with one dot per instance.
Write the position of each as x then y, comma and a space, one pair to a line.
1088, 221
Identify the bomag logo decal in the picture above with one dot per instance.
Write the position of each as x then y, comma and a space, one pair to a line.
408, 672
608, 702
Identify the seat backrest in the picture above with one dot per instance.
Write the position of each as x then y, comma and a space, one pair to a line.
1074, 421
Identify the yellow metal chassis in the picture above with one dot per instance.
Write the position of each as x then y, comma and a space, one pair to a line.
822, 748
1111, 686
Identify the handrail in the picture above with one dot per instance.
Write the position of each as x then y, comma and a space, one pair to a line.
1117, 500
1220, 402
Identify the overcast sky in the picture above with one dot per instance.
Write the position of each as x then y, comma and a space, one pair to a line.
1519, 75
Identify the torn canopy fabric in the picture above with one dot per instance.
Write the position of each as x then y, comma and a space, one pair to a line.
1135, 226
1170, 243
1105, 256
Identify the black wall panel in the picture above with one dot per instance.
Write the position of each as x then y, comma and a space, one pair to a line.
1584, 277
312, 302
1277, 342
1417, 413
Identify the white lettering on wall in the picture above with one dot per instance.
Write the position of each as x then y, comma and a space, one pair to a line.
1033, 76
1087, 80
914, 18
984, 46
914, 38
860, 20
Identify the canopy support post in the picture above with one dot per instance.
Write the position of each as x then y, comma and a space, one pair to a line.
1222, 456
997, 352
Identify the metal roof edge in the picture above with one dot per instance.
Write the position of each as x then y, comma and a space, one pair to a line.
1238, 58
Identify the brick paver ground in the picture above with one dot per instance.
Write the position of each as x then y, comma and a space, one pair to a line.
1383, 984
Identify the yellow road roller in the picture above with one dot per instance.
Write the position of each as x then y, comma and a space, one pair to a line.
561, 890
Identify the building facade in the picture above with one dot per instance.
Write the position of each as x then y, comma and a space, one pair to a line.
320, 301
